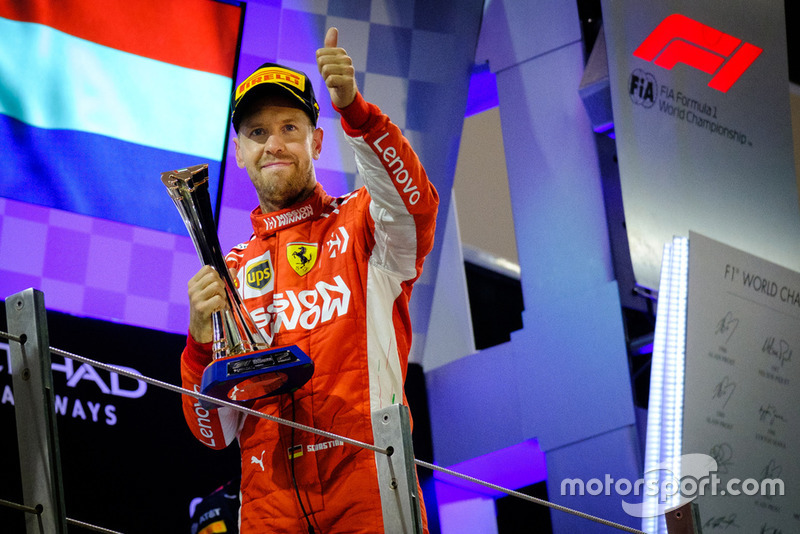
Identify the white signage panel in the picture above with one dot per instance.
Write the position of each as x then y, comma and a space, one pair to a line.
700, 95
741, 396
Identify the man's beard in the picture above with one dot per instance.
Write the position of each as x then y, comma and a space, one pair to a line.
285, 192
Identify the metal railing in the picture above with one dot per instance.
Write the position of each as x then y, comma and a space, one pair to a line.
37, 435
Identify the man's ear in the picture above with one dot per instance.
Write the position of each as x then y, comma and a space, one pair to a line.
316, 142
239, 160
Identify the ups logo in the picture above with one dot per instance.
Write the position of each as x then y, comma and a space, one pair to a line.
259, 275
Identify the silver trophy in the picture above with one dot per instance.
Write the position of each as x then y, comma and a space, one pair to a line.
245, 368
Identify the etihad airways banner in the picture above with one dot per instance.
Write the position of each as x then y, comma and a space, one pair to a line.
129, 463
98, 98
700, 95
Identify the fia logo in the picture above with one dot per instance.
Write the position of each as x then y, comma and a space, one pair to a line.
679, 39
642, 88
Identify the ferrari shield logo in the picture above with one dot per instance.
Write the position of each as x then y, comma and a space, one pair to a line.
301, 256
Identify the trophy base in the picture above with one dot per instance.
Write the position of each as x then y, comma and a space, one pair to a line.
245, 378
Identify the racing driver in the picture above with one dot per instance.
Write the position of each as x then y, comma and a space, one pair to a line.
330, 275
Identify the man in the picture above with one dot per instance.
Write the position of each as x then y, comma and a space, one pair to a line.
335, 276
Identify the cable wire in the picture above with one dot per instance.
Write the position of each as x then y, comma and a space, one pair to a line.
89, 526
39, 509
28, 509
12, 337
527, 497
330, 435
215, 400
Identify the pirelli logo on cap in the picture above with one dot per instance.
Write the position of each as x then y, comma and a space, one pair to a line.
271, 75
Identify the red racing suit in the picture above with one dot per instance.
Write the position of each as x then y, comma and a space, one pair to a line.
333, 276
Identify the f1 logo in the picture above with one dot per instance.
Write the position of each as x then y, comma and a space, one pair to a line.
679, 39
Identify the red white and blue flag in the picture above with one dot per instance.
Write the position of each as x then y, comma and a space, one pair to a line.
98, 98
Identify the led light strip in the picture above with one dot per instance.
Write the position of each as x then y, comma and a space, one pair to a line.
665, 406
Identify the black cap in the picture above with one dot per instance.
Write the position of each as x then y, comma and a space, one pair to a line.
271, 76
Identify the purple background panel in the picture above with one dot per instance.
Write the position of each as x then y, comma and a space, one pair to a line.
384, 42
351, 9
63, 259
298, 39
108, 270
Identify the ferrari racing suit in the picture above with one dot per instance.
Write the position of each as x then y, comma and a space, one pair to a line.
333, 276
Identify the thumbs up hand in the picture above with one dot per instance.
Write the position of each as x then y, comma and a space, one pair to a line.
337, 70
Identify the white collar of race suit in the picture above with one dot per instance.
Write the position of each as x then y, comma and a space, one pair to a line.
266, 224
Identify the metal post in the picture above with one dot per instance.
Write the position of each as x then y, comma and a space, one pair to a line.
684, 519
37, 435
397, 474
